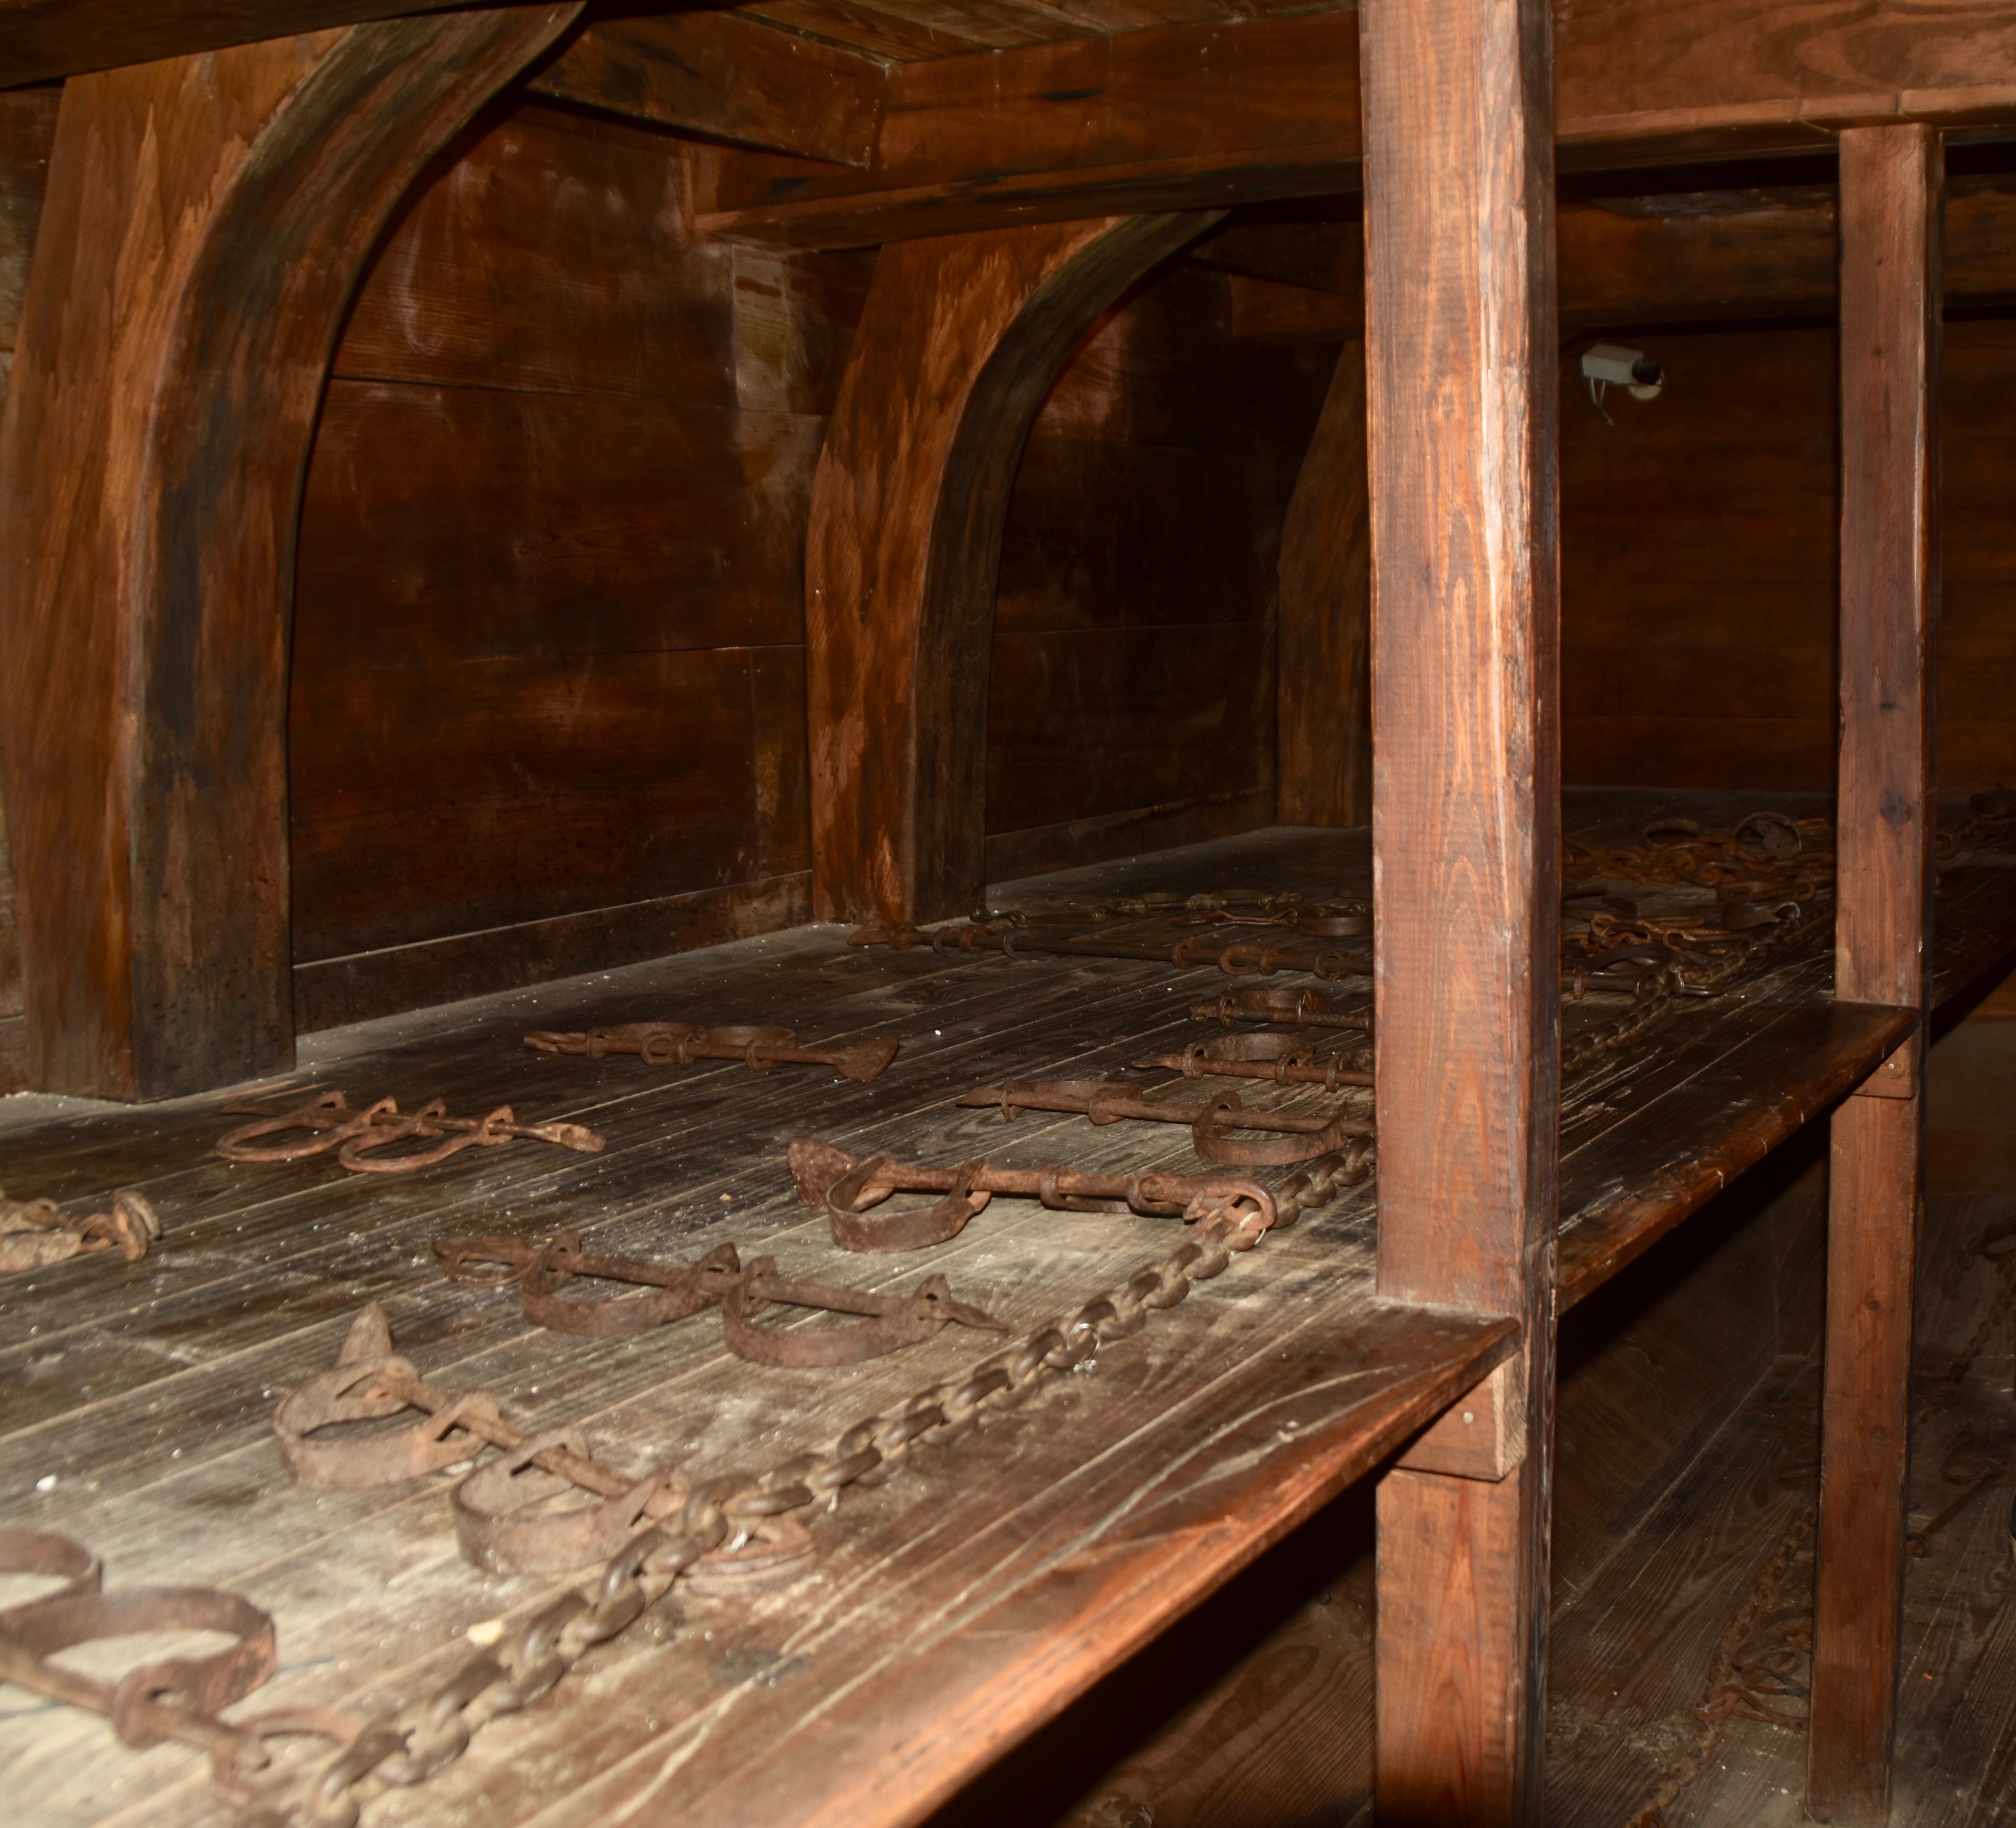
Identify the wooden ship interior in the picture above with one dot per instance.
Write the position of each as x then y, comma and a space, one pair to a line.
1083, 914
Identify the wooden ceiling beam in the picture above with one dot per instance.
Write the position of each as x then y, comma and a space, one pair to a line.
41, 39
727, 77
1303, 281
1190, 117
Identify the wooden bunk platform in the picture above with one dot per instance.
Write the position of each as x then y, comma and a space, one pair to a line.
954, 1607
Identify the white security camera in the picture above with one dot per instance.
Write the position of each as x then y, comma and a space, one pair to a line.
1608, 364
1624, 368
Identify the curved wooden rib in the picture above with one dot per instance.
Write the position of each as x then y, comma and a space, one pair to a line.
962, 338
207, 219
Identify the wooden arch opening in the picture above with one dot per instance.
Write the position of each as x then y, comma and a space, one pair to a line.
207, 219
962, 338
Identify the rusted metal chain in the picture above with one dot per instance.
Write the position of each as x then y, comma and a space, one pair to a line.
678, 1043
176, 1698
1279, 1059
1297, 1136
542, 1270
34, 1233
327, 1122
1306, 1009
1655, 995
847, 1187
411, 1744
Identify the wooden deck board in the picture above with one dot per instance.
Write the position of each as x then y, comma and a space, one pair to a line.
954, 1608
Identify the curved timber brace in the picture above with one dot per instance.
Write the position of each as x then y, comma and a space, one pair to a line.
962, 338
207, 221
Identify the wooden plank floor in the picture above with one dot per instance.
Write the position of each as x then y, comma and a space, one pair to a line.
1678, 1548
954, 1608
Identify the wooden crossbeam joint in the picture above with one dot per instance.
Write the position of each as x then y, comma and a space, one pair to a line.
1897, 1077
1482, 1436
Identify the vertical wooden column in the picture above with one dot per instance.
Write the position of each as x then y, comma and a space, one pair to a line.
1460, 388
1891, 195
962, 338
206, 221
1323, 698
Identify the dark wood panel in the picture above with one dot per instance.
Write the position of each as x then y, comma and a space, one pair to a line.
548, 251
795, 319
782, 776
1698, 566
1162, 368
880, 31
450, 797
724, 76
39, 39
449, 524
1681, 259
1774, 754
27, 132
1324, 697
1197, 718
1150, 497
1679, 656
1701, 55
1071, 843
1101, 536
1977, 658
331, 993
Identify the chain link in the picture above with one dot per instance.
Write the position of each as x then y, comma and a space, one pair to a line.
411, 1745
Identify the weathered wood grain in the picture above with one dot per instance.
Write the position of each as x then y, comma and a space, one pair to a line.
546, 251
795, 319
1189, 115
1460, 422
211, 1411
1891, 180
726, 76
1755, 72
212, 216
547, 699
27, 131
959, 342
1786, 1067
39, 40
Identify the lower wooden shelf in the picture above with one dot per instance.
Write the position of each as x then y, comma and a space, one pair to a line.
954, 1608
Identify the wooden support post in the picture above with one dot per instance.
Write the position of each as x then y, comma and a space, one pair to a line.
1324, 699
1460, 391
206, 220
1891, 185
962, 338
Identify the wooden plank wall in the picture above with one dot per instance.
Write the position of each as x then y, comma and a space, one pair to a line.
1699, 565
27, 131
548, 704
1131, 704
547, 695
